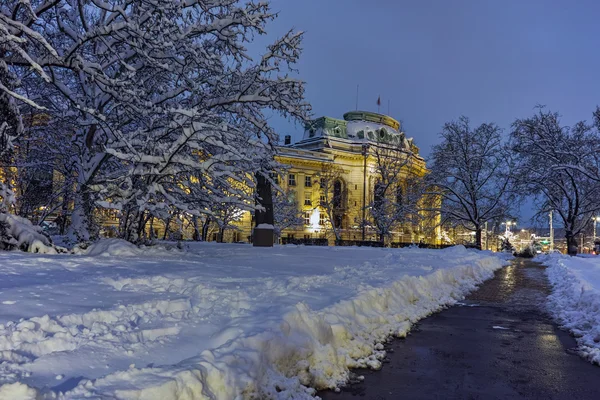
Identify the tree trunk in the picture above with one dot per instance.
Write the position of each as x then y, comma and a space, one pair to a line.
196, 234
65, 209
141, 228
205, 227
152, 235
82, 225
478, 237
571, 243
167, 228
220, 235
337, 234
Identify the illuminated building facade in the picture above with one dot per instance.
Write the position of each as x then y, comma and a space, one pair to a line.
348, 144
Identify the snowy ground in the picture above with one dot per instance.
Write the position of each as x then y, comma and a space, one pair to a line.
216, 320
575, 299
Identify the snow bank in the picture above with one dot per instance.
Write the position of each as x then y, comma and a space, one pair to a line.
308, 349
108, 248
20, 233
219, 321
119, 248
575, 299
18, 391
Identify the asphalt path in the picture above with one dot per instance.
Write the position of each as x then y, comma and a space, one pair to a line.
499, 343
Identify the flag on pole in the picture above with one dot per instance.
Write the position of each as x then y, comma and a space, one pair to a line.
379, 101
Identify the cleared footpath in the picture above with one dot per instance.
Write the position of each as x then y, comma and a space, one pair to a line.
497, 344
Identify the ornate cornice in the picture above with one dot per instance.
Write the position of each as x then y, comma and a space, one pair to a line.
372, 117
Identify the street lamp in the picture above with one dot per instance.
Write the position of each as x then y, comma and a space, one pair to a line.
508, 224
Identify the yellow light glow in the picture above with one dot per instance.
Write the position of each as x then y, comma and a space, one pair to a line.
314, 220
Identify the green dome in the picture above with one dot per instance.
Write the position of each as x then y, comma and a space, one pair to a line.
372, 117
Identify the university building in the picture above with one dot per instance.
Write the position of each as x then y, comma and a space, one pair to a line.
348, 144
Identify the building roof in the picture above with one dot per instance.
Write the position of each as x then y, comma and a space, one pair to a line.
351, 133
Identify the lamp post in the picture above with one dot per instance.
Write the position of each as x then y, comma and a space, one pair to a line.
365, 152
551, 232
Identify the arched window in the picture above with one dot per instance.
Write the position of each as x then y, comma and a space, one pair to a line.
337, 194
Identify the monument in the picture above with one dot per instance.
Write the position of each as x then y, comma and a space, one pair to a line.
262, 235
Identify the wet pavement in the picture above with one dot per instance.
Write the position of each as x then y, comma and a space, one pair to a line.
499, 343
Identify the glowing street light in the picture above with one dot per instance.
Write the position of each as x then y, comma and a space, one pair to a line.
508, 224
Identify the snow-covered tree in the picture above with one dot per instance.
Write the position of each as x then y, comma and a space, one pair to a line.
286, 213
471, 171
224, 216
11, 126
333, 197
558, 165
396, 192
152, 91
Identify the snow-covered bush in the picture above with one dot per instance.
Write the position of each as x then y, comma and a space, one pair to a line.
19, 233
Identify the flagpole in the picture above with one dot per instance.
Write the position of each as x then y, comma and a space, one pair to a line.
357, 97
388, 108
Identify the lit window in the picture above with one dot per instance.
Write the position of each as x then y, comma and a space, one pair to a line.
307, 218
307, 181
291, 180
307, 198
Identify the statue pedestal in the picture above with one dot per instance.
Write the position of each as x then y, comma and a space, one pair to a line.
263, 236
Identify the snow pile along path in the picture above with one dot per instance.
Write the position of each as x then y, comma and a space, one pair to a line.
215, 321
575, 299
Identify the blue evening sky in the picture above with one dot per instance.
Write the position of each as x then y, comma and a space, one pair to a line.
492, 61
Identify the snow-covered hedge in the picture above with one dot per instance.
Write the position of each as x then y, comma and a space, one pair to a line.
20, 233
